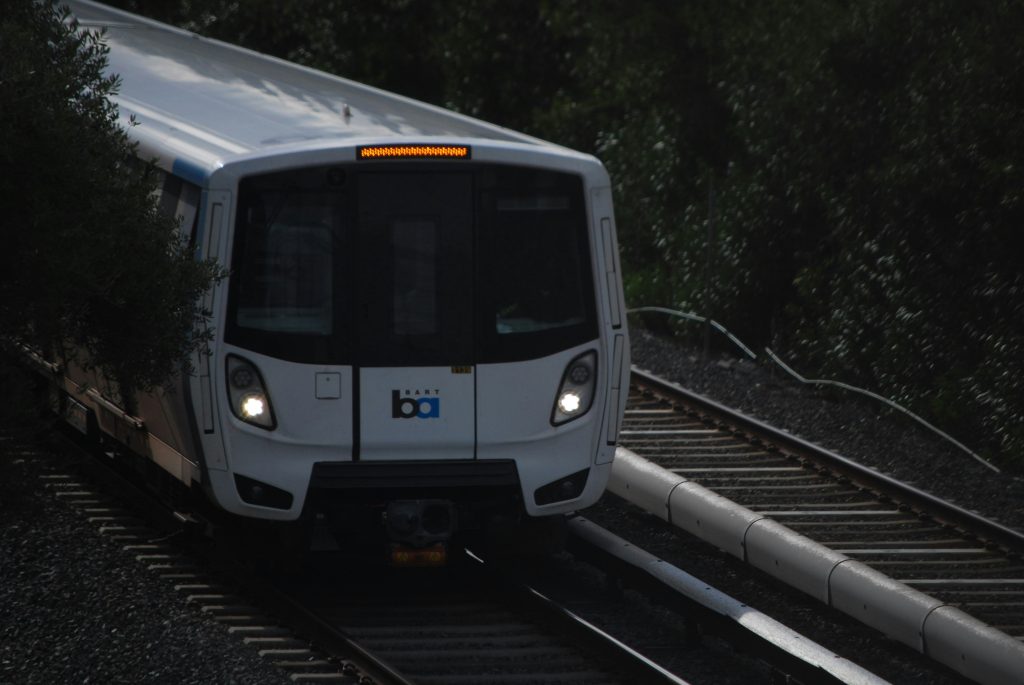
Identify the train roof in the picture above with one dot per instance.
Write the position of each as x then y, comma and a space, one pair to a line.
204, 102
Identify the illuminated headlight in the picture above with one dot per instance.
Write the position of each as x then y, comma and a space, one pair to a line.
569, 403
253, 406
247, 395
576, 393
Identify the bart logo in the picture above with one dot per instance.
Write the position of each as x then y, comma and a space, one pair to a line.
414, 407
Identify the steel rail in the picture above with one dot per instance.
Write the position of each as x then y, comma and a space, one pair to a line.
620, 655
476, 621
316, 629
789, 653
1012, 541
347, 655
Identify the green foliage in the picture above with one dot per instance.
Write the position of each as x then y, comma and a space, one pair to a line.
87, 263
882, 142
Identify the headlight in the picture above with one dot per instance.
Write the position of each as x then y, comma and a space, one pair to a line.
569, 403
576, 393
253, 406
247, 395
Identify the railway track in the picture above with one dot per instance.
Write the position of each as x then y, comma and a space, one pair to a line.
357, 624
954, 556
464, 624
424, 627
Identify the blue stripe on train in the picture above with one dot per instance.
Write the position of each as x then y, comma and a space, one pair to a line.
191, 172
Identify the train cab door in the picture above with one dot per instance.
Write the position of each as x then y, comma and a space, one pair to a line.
414, 322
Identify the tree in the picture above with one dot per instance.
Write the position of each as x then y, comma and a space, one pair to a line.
881, 144
89, 267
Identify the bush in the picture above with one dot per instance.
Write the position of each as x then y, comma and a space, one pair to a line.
89, 266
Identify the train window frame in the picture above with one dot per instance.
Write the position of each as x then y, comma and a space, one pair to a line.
188, 212
412, 272
311, 347
450, 341
505, 181
178, 199
536, 189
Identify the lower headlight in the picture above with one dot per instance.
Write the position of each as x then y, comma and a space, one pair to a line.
247, 394
576, 393
569, 403
253, 406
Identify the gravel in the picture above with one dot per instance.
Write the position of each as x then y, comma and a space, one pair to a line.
76, 608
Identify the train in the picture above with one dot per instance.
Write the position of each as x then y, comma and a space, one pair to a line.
421, 331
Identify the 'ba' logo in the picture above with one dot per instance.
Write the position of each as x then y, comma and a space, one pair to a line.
414, 407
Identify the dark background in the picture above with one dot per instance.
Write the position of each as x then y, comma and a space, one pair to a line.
839, 181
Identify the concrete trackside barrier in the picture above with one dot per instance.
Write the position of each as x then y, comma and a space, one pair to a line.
791, 557
672, 498
947, 635
966, 645
877, 600
710, 517
645, 484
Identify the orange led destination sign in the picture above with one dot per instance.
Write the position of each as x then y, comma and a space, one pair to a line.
413, 152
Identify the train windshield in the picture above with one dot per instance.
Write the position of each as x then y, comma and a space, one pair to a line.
289, 260
378, 266
537, 293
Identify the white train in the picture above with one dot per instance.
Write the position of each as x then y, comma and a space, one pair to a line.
423, 325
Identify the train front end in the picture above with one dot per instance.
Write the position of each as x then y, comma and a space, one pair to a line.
417, 340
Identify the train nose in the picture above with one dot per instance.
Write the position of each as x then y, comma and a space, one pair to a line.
420, 522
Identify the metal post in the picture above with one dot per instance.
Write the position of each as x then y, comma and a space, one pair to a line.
709, 251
